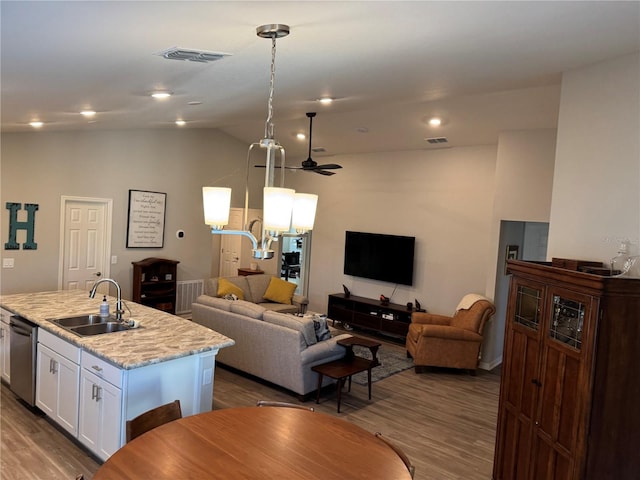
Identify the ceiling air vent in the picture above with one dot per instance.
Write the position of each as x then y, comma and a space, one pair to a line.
318, 150
437, 140
190, 55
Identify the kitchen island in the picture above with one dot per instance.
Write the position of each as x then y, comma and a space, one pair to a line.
91, 385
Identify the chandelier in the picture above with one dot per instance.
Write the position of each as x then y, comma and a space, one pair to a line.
282, 207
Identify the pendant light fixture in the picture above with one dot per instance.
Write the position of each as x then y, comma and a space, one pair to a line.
278, 202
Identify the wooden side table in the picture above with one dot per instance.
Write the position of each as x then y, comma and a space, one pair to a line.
245, 272
349, 365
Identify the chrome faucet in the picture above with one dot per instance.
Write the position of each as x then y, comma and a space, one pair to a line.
119, 310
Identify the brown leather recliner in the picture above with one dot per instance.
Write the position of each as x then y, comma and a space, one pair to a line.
454, 342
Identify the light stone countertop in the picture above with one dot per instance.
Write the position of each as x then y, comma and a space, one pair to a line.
162, 336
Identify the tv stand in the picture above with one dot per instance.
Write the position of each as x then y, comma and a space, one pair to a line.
369, 314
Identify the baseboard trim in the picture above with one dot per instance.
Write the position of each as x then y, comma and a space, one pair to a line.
490, 365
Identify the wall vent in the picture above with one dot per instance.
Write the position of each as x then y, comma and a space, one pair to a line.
189, 55
437, 140
188, 291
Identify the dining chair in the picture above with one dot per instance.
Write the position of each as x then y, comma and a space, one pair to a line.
266, 403
153, 418
399, 452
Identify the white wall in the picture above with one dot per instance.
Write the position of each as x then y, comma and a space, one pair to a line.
40, 167
596, 191
523, 185
442, 197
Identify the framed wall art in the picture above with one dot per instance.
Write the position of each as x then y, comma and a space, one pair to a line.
145, 225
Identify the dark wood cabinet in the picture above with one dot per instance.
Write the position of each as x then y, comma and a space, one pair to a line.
369, 314
154, 283
570, 390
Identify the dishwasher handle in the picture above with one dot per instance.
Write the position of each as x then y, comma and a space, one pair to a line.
20, 330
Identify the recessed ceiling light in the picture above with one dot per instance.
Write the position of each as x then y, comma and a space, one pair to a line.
181, 123
88, 113
36, 124
195, 102
161, 95
325, 100
301, 136
435, 121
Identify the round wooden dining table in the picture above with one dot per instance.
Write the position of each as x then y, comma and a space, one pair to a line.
255, 443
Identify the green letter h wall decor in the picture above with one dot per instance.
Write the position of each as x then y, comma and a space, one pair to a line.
15, 225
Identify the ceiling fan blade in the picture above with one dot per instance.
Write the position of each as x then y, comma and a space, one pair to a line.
278, 166
329, 166
322, 172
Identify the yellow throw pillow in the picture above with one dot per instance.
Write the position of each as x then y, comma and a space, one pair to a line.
225, 287
280, 291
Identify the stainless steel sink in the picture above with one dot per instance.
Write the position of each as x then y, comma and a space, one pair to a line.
91, 324
90, 319
98, 328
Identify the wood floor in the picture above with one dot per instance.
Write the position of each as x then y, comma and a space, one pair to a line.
443, 420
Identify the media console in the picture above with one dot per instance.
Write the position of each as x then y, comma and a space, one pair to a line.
366, 313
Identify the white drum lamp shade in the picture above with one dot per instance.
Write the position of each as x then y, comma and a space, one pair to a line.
216, 201
277, 206
304, 211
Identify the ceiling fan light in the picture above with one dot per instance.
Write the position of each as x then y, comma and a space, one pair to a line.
277, 207
216, 202
304, 211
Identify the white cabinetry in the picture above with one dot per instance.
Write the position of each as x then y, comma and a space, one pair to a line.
100, 426
5, 345
57, 380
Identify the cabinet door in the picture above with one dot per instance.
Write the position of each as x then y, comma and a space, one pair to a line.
110, 399
5, 355
46, 381
88, 427
519, 393
68, 377
564, 384
100, 415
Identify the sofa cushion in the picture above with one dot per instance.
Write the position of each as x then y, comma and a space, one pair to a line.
215, 302
257, 286
280, 291
249, 309
225, 287
301, 324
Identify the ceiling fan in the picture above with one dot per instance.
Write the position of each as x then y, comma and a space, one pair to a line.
310, 165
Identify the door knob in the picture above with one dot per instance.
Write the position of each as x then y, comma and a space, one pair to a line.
98, 274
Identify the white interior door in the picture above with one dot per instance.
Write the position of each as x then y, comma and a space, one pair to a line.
85, 246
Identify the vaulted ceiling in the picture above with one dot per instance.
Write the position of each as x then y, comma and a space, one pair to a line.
483, 67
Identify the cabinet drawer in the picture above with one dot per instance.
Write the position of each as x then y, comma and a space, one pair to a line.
102, 369
60, 346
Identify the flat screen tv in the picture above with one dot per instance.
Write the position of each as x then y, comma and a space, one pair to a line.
388, 258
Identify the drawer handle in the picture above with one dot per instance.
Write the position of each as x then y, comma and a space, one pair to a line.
96, 368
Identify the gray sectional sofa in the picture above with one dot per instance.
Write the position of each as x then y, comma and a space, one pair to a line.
277, 347
253, 288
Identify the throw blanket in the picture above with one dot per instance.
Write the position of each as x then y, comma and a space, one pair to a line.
468, 301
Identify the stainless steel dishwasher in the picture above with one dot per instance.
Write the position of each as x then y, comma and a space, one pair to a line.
23, 338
